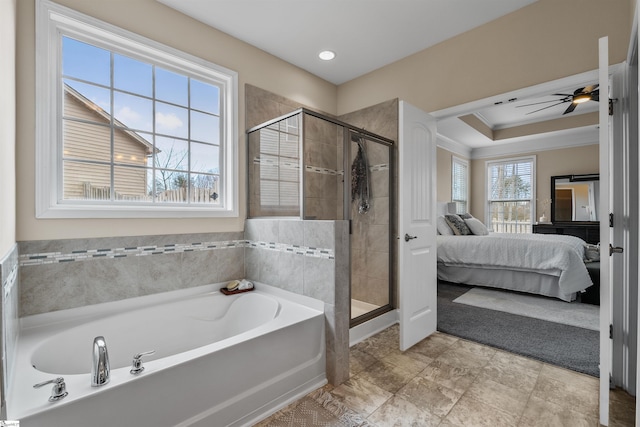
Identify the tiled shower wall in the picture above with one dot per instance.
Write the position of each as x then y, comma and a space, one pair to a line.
324, 278
309, 258
323, 169
370, 248
370, 239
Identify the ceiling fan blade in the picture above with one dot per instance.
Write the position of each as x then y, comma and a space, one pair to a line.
570, 108
535, 111
595, 95
563, 94
590, 88
577, 91
542, 102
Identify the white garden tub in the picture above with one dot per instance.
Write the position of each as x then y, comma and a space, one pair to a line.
219, 360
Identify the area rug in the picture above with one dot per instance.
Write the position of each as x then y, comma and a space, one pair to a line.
544, 308
318, 408
562, 345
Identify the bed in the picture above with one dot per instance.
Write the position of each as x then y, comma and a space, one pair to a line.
545, 264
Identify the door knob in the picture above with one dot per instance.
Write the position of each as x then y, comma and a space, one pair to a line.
407, 237
615, 250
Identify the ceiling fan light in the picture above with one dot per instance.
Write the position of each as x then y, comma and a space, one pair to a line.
581, 98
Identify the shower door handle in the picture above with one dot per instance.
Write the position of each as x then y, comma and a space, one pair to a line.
407, 237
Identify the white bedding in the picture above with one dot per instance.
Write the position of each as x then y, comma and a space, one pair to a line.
550, 254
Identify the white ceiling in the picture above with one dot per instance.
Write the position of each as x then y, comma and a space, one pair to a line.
365, 34
369, 34
512, 110
521, 111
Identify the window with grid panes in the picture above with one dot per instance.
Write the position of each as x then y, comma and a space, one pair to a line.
138, 129
511, 190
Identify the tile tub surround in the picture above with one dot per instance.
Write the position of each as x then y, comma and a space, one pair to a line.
9, 321
323, 278
134, 266
61, 274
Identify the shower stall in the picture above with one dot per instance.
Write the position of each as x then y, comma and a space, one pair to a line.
311, 166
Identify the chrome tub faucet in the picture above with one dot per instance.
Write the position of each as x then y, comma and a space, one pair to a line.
100, 367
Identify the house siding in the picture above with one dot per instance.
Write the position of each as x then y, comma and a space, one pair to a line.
89, 139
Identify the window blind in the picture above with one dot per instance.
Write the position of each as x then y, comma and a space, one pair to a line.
460, 184
511, 180
510, 195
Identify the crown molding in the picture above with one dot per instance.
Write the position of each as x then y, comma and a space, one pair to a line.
587, 135
453, 146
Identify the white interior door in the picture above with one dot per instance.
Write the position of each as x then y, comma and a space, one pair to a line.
605, 231
417, 276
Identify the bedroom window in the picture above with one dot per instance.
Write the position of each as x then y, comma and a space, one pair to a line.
511, 189
460, 184
127, 127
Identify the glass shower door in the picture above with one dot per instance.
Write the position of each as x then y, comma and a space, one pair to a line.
369, 176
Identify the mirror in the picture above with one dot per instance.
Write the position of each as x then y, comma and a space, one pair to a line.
575, 198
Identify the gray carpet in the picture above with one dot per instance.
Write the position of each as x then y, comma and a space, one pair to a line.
561, 345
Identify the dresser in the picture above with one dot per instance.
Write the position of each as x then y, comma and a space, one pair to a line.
589, 232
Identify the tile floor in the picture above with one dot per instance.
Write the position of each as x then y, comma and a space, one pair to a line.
446, 381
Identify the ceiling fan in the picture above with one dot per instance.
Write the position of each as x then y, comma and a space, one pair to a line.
579, 96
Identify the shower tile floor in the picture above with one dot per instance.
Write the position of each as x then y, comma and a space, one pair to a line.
447, 381
358, 308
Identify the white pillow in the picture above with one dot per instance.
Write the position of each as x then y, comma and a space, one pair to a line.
443, 227
476, 226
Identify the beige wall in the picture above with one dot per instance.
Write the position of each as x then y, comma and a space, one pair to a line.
524, 48
7, 126
566, 161
533, 45
162, 24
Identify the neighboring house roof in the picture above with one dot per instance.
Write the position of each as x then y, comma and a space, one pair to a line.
100, 111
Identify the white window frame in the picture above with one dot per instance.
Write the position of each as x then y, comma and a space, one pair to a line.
457, 160
52, 22
489, 164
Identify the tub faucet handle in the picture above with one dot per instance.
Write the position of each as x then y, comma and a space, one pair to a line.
58, 391
136, 365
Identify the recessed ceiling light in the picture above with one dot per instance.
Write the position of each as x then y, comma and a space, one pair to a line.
327, 55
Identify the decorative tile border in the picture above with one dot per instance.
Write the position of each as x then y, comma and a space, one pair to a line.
91, 254
323, 171
374, 168
380, 167
276, 163
310, 168
293, 249
8, 285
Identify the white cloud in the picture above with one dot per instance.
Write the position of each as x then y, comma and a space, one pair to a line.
127, 115
168, 121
